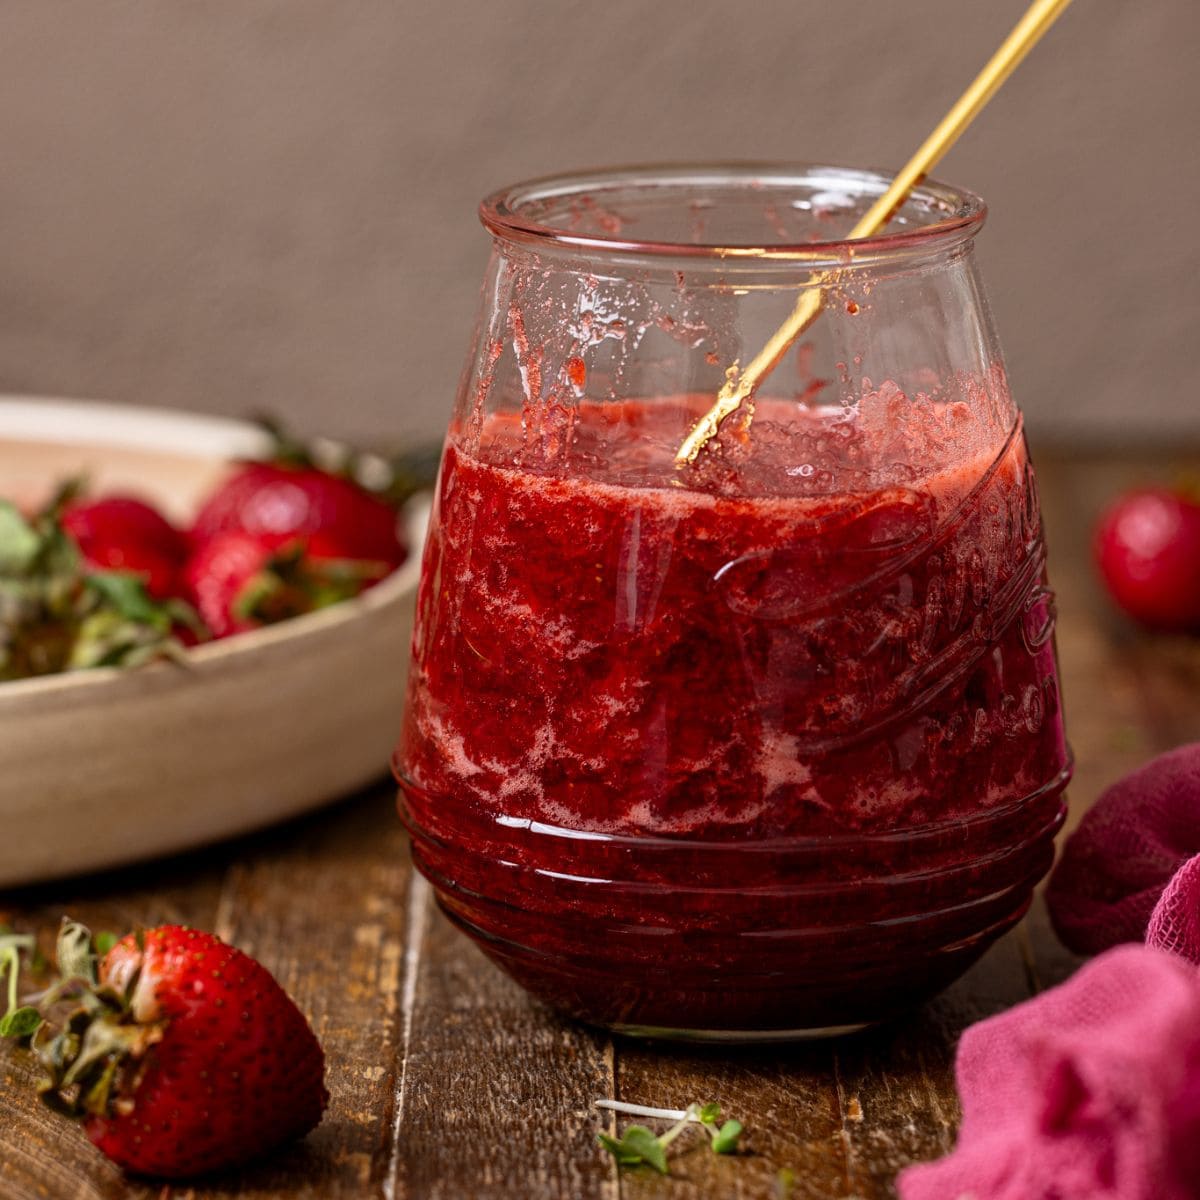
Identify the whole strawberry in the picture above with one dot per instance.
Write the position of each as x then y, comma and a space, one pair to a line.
336, 517
239, 580
1147, 550
123, 533
182, 1056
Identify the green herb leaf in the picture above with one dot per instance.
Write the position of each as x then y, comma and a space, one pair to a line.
639, 1140
625, 1158
17, 1020
639, 1145
20, 1022
636, 1145
726, 1139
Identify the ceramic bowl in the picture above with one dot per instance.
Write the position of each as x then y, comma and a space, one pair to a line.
104, 767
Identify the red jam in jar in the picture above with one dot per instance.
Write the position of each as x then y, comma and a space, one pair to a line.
761, 747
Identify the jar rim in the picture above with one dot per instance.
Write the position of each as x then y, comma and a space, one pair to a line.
957, 214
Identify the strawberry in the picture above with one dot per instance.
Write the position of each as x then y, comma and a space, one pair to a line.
337, 518
239, 580
57, 614
181, 1056
1147, 549
126, 534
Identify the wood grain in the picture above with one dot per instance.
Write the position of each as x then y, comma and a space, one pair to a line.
498, 1092
447, 1082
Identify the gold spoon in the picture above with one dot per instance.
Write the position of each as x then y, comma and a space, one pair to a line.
1037, 19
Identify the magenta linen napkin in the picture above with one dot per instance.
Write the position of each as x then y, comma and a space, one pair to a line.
1175, 921
1126, 850
1090, 1091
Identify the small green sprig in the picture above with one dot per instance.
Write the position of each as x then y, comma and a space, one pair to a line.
19, 1020
638, 1144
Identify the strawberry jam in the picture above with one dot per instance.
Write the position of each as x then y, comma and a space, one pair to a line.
766, 746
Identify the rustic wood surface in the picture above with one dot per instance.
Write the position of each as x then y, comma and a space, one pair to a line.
447, 1082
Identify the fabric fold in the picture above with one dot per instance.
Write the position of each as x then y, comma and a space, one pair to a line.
1090, 1091
1128, 847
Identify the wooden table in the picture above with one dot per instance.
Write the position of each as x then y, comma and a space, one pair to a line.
448, 1082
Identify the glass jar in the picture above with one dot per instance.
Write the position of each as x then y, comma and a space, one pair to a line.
765, 745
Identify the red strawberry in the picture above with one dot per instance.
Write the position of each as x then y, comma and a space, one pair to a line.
124, 519
184, 1057
122, 533
338, 518
1147, 548
239, 581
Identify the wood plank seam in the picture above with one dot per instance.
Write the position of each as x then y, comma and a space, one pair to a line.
840, 1096
609, 1057
419, 894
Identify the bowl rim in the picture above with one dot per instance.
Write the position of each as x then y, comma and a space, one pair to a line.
70, 421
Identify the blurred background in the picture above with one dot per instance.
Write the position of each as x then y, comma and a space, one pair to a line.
270, 204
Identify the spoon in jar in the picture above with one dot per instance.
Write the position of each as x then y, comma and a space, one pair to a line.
740, 385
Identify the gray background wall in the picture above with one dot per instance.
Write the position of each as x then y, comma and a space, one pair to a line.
270, 203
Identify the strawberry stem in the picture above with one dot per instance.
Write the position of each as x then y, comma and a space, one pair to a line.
394, 478
76, 958
291, 583
642, 1110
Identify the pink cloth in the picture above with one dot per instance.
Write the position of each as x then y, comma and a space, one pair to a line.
1175, 921
1090, 1091
1127, 848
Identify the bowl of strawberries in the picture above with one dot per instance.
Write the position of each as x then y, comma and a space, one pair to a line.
204, 628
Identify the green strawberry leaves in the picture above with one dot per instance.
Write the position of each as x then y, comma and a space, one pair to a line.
394, 478
291, 583
57, 614
19, 544
127, 597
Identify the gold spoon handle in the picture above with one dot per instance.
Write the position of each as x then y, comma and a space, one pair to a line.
1040, 15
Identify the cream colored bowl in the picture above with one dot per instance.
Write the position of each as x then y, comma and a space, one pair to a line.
100, 768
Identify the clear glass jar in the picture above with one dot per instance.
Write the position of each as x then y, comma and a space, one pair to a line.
766, 745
